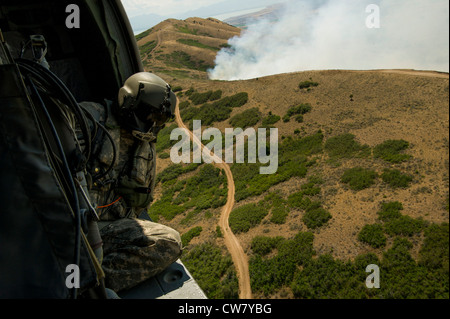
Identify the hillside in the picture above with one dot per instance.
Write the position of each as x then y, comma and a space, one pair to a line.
184, 48
362, 179
384, 106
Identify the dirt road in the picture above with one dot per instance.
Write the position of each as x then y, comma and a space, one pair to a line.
238, 256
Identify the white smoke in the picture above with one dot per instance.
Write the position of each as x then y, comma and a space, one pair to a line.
333, 34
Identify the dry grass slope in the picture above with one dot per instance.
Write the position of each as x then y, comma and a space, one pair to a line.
184, 48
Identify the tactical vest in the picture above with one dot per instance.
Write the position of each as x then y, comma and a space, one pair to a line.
127, 189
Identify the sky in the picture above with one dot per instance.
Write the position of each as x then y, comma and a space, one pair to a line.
178, 8
144, 14
164, 7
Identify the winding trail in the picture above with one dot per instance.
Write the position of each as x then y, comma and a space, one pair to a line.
238, 256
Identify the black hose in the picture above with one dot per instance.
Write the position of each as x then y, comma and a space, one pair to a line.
76, 206
108, 135
53, 81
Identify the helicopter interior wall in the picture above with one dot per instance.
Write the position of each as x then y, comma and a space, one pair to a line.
75, 55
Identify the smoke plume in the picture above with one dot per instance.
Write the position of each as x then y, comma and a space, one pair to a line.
341, 34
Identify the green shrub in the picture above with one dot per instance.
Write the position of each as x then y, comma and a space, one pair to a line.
327, 278
196, 43
177, 89
238, 99
180, 60
299, 118
250, 183
434, 252
200, 98
164, 155
277, 205
219, 232
203, 188
396, 179
286, 119
301, 109
359, 178
163, 141
189, 92
185, 29
404, 278
391, 151
398, 256
373, 235
279, 214
297, 200
207, 113
268, 275
345, 146
245, 217
233, 101
213, 272
390, 211
216, 111
175, 171
147, 48
270, 119
292, 162
315, 218
263, 246
310, 188
404, 225
362, 261
187, 237
307, 84
184, 105
272, 199
246, 119
166, 209
296, 147
206, 189
216, 95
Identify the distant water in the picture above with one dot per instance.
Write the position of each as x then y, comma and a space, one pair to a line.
233, 14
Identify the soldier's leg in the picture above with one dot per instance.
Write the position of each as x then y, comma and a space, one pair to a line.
136, 250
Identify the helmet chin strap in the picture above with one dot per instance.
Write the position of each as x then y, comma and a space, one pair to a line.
144, 137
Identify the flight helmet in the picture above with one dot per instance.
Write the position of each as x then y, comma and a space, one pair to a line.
145, 100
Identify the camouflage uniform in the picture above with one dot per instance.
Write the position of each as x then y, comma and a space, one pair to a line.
133, 249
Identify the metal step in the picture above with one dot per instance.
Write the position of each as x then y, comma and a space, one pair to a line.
173, 283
